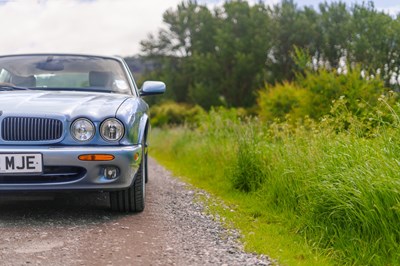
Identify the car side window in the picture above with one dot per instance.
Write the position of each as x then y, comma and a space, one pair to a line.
4, 76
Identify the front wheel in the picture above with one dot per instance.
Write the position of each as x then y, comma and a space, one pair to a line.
132, 198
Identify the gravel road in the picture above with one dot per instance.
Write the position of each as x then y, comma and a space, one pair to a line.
79, 229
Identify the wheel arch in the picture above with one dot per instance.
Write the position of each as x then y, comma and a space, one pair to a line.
144, 130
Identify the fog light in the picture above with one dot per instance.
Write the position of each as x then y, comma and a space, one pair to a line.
111, 172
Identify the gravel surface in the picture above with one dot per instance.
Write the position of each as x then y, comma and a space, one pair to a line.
79, 229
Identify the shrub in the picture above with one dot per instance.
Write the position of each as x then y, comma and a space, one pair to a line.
283, 99
312, 93
326, 86
171, 113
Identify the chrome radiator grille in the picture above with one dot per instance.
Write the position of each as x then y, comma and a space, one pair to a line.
31, 129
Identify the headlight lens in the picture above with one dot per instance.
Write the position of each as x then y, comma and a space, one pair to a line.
112, 129
82, 129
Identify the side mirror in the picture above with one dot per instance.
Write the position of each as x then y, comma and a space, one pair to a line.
152, 88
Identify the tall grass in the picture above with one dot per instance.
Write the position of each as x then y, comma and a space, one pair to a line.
335, 183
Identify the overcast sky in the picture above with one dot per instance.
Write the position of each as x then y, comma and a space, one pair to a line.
109, 27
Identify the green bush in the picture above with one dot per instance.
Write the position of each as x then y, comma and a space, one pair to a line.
174, 114
326, 86
312, 93
281, 100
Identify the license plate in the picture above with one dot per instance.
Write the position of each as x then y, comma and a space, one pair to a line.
21, 163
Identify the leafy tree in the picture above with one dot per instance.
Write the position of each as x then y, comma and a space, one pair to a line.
291, 27
225, 55
190, 29
242, 41
212, 58
335, 22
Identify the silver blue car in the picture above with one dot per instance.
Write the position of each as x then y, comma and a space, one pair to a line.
74, 122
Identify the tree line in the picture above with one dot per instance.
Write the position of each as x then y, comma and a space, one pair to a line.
224, 55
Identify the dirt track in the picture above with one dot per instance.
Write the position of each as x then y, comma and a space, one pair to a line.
79, 229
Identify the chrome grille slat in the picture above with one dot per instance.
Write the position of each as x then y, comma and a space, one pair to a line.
31, 129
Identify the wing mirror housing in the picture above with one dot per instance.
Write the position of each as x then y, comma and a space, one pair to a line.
152, 88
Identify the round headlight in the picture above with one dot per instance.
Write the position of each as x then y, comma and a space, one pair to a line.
82, 129
111, 129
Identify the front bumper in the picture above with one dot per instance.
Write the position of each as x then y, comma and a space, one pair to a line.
89, 176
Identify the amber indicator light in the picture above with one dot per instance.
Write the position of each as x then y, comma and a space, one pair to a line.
96, 157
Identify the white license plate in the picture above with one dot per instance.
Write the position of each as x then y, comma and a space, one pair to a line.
21, 163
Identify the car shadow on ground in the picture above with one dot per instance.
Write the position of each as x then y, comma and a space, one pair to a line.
58, 209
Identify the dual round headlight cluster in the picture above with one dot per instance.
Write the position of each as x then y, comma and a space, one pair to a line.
83, 129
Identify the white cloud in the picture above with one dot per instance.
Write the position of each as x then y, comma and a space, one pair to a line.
97, 27
393, 10
217, 3
109, 27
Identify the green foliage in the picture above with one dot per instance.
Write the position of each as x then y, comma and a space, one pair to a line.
212, 58
325, 166
356, 199
250, 169
291, 27
326, 181
223, 56
313, 93
326, 86
335, 23
283, 99
374, 32
173, 114
204, 95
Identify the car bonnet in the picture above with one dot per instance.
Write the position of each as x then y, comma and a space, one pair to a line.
70, 105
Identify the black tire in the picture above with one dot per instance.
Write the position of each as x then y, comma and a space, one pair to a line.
131, 199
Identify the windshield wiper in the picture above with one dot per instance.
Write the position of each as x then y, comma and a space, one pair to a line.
12, 88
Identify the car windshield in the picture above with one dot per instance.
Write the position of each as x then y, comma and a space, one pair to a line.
63, 72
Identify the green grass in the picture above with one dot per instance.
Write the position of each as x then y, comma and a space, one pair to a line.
207, 168
305, 194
